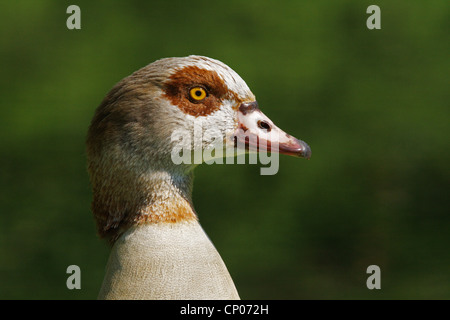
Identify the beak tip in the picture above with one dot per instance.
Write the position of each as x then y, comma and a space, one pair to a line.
296, 148
306, 152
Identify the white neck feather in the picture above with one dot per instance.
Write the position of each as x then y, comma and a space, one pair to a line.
166, 261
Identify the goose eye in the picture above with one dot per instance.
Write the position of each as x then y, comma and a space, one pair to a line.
197, 93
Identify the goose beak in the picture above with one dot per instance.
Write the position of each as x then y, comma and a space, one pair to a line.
256, 132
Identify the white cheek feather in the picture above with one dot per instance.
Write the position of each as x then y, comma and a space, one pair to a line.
204, 131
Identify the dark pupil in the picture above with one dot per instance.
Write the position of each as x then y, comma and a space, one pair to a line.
198, 93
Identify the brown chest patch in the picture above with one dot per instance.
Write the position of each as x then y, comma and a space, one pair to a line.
177, 88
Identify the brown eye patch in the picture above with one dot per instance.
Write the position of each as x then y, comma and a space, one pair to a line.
177, 90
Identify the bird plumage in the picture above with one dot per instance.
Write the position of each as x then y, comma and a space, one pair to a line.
142, 200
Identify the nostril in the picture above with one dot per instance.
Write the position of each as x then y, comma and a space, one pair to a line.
264, 125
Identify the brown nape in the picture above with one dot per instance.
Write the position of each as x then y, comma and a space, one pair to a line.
177, 90
114, 215
122, 198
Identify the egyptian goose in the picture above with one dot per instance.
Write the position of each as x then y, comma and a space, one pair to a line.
142, 200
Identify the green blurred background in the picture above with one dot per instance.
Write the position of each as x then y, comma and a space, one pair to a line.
372, 104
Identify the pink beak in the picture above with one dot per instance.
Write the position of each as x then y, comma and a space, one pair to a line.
256, 132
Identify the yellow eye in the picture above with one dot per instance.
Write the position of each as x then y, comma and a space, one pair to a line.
197, 93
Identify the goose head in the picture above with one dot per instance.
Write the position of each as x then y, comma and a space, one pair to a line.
131, 140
